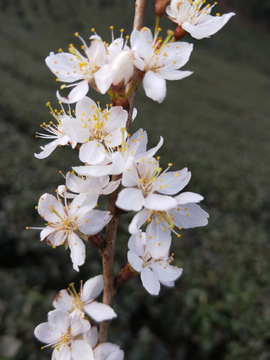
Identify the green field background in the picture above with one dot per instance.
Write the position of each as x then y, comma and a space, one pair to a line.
215, 122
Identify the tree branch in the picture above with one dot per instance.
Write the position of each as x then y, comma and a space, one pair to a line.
111, 229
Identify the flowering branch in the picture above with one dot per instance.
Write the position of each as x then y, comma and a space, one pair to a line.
113, 158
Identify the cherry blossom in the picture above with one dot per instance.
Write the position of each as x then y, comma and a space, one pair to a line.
88, 187
84, 302
100, 67
68, 223
116, 162
153, 270
97, 130
64, 334
159, 61
195, 19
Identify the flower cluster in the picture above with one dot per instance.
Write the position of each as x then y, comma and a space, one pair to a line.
112, 158
69, 331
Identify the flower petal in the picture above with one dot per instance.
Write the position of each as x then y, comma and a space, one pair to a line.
130, 199
150, 281
135, 261
154, 86
99, 312
92, 288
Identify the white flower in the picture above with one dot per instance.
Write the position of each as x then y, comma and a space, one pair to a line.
104, 351
196, 19
84, 302
64, 334
149, 187
97, 130
153, 270
91, 69
159, 61
116, 162
56, 132
101, 66
89, 187
68, 224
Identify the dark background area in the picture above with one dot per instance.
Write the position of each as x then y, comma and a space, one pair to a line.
215, 122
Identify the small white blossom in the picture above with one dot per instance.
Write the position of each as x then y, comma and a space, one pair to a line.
116, 162
67, 224
101, 66
88, 187
160, 62
84, 302
97, 130
153, 270
91, 69
65, 335
195, 18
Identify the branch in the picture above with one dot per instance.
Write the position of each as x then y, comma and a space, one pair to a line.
108, 254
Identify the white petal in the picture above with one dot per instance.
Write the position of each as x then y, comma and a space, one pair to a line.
135, 261
166, 272
92, 152
99, 312
59, 319
62, 66
172, 182
188, 197
136, 243
130, 199
152, 151
47, 150
154, 86
158, 239
189, 216
150, 281
76, 94
77, 250
130, 175
138, 220
79, 326
102, 351
75, 130
159, 202
174, 74
62, 353
103, 78
92, 288
63, 301
91, 336
81, 350
97, 219
46, 333
116, 355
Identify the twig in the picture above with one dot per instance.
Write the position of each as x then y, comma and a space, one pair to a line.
108, 254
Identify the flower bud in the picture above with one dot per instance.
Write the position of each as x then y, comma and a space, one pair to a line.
122, 69
160, 7
179, 33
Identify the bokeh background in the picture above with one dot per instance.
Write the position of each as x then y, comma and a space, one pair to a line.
216, 123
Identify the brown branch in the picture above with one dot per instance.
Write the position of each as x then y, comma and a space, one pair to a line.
111, 229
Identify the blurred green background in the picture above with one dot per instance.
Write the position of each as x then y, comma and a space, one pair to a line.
215, 122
